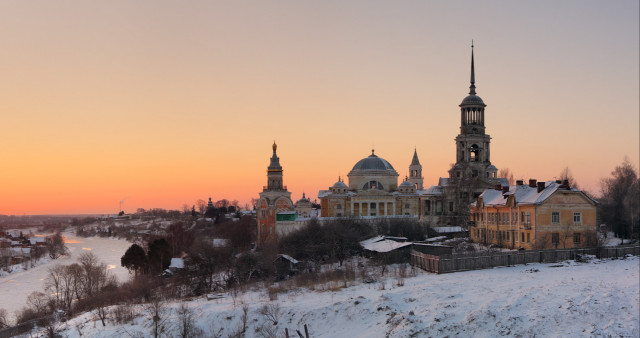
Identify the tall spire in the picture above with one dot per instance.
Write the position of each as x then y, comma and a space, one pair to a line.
472, 88
415, 160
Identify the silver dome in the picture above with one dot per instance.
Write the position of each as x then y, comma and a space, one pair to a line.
372, 162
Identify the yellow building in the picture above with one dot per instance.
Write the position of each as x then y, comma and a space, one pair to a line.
540, 215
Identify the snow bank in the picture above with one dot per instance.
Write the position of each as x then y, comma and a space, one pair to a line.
597, 298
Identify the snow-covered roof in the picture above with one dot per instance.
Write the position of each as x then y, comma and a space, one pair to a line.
435, 239
524, 194
287, 212
503, 181
21, 251
324, 193
380, 244
446, 230
177, 263
433, 190
34, 240
289, 258
220, 242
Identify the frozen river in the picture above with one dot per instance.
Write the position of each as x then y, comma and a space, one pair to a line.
15, 287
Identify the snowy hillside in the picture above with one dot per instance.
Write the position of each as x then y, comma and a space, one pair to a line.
599, 298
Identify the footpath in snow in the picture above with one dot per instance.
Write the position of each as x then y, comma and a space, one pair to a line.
597, 298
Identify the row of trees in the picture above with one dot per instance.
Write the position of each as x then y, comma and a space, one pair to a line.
154, 260
66, 284
339, 240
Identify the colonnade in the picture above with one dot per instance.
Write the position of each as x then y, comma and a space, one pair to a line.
361, 206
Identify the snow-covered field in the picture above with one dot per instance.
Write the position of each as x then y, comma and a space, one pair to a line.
15, 287
598, 298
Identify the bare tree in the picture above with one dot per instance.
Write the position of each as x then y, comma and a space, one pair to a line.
157, 311
566, 174
201, 205
39, 302
53, 284
4, 319
100, 302
186, 322
271, 312
506, 173
56, 246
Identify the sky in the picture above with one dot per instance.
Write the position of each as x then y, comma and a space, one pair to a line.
161, 103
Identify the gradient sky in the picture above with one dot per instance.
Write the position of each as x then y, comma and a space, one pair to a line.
167, 102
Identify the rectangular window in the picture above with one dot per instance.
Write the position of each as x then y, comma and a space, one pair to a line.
528, 237
522, 237
522, 217
555, 238
555, 217
577, 217
451, 206
576, 238
507, 235
528, 221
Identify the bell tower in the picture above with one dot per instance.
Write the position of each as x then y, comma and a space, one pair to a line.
415, 172
472, 144
274, 199
274, 172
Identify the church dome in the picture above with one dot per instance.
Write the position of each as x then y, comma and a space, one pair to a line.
340, 185
474, 100
304, 201
406, 184
373, 162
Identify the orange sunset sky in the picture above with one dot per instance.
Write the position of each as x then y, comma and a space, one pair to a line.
167, 102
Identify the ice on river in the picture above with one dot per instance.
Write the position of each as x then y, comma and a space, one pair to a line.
15, 287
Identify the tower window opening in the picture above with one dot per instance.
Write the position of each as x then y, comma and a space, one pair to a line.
474, 153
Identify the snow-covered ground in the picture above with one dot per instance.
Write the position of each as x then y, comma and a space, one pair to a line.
15, 287
598, 298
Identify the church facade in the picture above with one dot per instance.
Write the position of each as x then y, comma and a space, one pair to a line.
373, 189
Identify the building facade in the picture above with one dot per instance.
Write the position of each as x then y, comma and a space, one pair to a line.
373, 191
373, 188
540, 215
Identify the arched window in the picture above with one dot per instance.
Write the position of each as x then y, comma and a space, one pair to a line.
373, 185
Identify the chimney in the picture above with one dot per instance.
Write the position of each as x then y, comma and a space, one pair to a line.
559, 181
565, 184
540, 186
532, 183
519, 182
505, 190
498, 186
